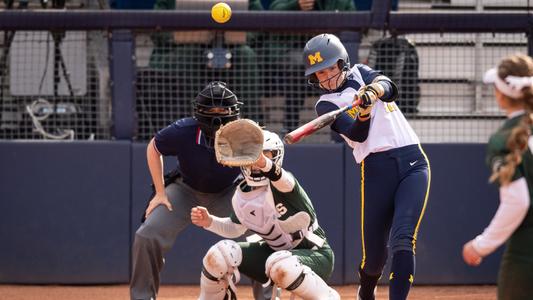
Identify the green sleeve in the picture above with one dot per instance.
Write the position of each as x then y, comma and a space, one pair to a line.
254, 37
496, 152
255, 5
163, 39
284, 5
350, 5
165, 4
341, 5
234, 218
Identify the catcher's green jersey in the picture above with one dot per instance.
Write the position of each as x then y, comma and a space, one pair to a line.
255, 254
521, 242
288, 204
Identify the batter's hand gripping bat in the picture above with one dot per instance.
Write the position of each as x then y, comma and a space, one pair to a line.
316, 124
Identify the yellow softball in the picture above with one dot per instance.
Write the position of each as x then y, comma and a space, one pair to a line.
221, 12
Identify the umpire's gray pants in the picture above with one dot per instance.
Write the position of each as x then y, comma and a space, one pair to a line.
158, 233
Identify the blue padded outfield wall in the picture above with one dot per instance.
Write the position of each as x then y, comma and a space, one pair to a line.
65, 212
70, 211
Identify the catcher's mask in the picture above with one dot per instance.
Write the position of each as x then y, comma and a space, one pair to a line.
323, 51
215, 105
274, 149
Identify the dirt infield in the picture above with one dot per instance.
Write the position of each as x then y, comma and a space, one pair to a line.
174, 292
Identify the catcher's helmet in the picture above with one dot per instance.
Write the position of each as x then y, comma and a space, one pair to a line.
273, 144
322, 51
215, 105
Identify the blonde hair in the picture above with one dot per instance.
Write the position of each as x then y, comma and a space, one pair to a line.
519, 65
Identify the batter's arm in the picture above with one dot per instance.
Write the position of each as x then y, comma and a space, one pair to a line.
371, 76
353, 127
390, 89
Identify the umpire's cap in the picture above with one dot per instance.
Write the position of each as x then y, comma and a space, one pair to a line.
322, 51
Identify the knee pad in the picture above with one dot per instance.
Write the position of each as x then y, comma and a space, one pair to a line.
222, 259
287, 272
220, 273
283, 268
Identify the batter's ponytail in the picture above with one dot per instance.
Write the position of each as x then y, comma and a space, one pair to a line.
522, 66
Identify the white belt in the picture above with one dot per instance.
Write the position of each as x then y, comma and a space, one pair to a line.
314, 238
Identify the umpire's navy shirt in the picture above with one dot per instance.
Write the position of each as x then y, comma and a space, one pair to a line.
197, 162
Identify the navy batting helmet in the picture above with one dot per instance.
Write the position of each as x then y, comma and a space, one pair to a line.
322, 51
215, 105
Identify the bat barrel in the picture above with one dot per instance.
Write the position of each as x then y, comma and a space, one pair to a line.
314, 125
296, 135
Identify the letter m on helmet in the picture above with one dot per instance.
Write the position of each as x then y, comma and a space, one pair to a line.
314, 58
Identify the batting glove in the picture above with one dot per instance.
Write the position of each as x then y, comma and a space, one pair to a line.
363, 109
369, 94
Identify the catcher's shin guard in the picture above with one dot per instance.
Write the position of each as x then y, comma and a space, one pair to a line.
286, 271
220, 273
215, 289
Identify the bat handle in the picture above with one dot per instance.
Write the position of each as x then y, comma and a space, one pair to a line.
358, 101
312, 126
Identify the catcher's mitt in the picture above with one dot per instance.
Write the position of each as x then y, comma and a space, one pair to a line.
239, 143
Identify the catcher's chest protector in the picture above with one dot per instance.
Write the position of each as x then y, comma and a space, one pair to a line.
255, 210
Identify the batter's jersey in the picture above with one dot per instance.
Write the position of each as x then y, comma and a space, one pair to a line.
288, 204
521, 242
196, 160
388, 127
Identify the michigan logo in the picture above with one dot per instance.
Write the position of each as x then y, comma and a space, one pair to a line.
390, 107
352, 112
313, 59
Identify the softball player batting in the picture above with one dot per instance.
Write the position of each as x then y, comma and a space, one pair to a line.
395, 174
293, 252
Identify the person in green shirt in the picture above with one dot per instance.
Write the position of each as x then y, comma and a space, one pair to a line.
291, 248
510, 158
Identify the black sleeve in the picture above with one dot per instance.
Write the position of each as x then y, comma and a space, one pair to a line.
369, 75
391, 90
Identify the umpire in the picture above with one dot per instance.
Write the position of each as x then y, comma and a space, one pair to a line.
200, 181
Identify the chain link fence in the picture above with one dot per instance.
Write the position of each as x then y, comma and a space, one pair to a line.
439, 77
56, 85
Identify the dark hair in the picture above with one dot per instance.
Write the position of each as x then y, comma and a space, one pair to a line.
517, 142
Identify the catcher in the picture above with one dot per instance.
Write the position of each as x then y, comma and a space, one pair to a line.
293, 252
